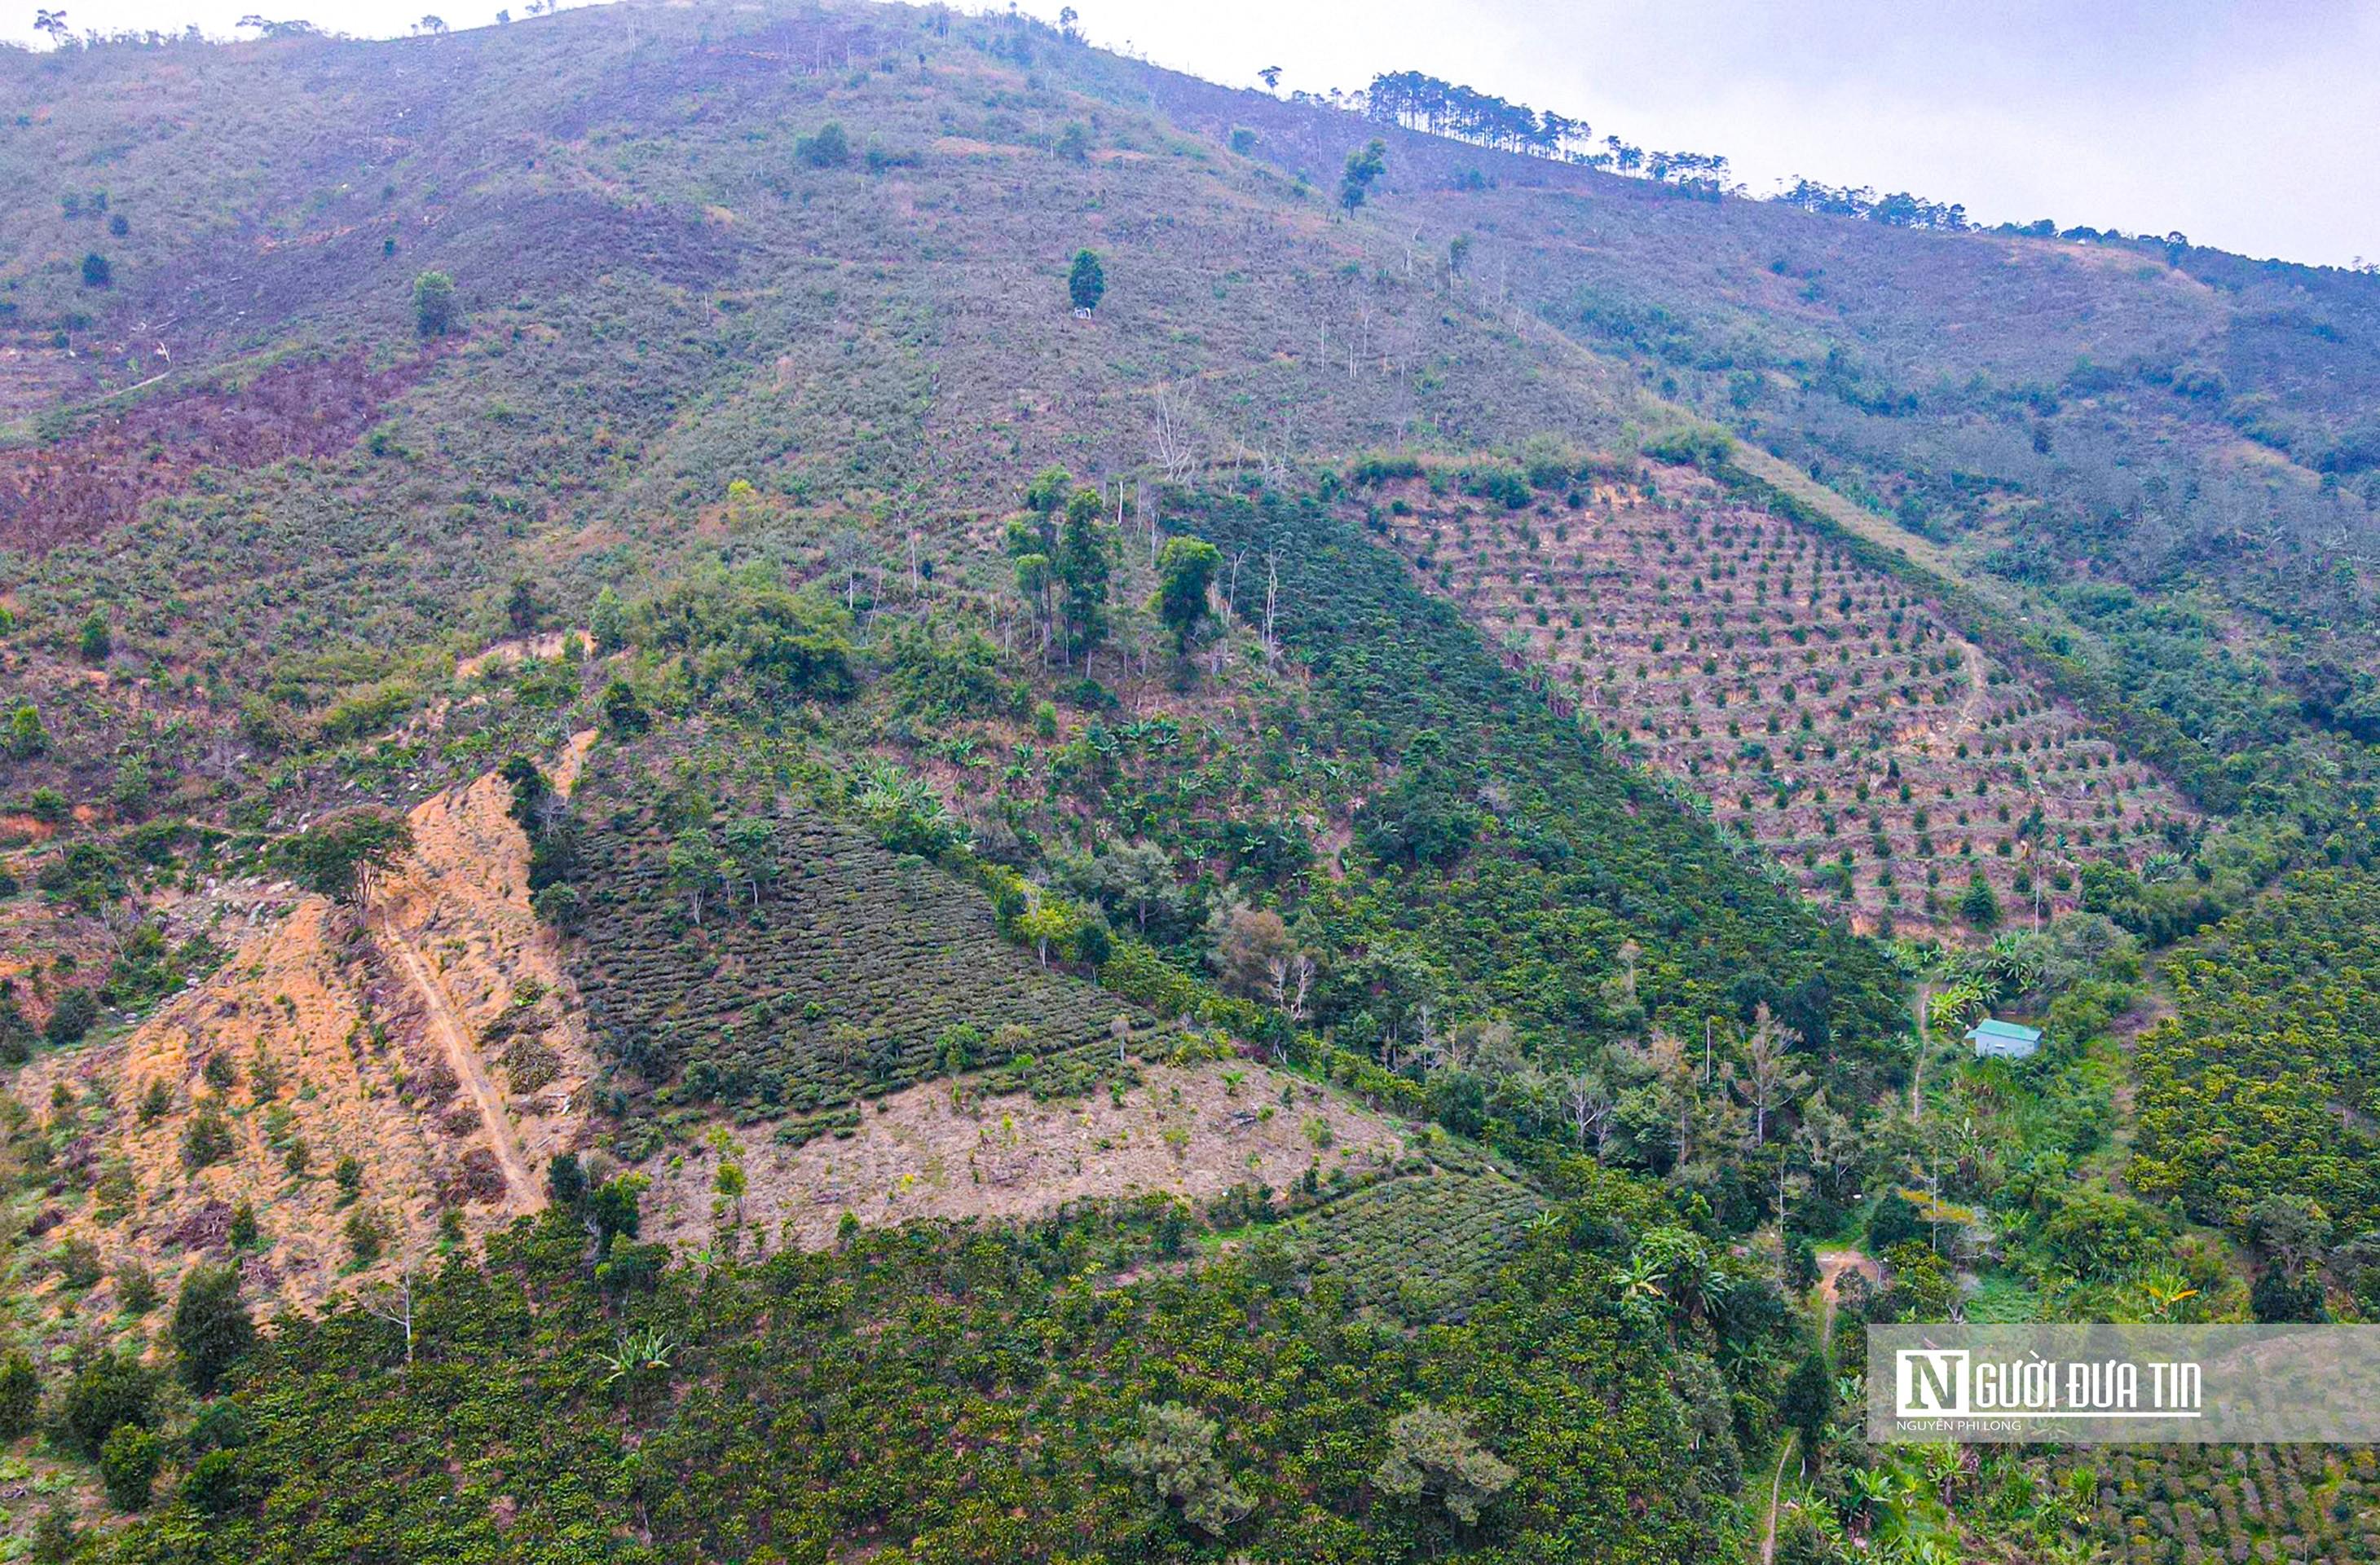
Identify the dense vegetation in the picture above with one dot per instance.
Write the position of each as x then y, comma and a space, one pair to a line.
2259, 1089
970, 1395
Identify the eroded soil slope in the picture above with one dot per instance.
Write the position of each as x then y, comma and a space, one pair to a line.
350, 1078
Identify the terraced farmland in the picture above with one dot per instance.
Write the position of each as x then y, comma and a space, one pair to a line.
1423, 1243
1824, 711
852, 972
2184, 1505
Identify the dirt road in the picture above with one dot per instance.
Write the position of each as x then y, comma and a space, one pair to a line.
521, 1192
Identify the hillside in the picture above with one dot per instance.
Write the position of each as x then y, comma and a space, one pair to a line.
699, 862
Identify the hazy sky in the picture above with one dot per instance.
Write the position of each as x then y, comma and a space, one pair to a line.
2254, 127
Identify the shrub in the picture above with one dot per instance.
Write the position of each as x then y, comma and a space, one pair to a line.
223, 1483
1894, 1221
135, 1289
76, 1012
20, 1394
211, 1328
106, 1394
96, 272
208, 1139
1980, 905
2098, 1234
129, 1460
830, 148
433, 304
364, 1239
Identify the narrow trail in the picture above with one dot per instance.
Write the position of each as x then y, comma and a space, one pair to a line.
1832, 1264
1776, 1488
1971, 710
520, 1188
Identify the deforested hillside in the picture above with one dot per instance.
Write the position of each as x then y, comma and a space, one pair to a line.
1823, 711
793, 781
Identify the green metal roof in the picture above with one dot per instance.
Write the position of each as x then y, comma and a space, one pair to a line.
1989, 1027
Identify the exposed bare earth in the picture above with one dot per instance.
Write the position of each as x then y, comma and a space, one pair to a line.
931, 1152
407, 1044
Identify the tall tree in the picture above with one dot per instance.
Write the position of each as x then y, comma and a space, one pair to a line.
1185, 574
696, 867
340, 856
1086, 281
1081, 565
1770, 1076
1365, 165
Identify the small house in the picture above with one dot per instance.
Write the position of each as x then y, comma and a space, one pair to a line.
2003, 1040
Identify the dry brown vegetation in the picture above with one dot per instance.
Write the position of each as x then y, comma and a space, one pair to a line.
74, 487
1826, 713
943, 1150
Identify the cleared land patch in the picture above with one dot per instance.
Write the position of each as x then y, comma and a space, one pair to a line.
1827, 713
305, 1080
938, 1150
80, 485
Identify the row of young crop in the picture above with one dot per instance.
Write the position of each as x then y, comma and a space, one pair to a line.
845, 973
1422, 1243
2237, 1504
1828, 715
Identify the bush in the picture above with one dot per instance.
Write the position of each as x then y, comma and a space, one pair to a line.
433, 304
1893, 1221
20, 1394
96, 273
364, 1238
224, 1482
828, 149
106, 1394
211, 1328
129, 1460
135, 1289
208, 1140
74, 1016
2098, 1234
1980, 905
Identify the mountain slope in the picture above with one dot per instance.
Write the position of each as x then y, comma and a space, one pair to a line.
1058, 928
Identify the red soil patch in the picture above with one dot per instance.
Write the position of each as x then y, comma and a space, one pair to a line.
63, 490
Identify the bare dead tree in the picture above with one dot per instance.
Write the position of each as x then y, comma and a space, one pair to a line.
393, 1301
1591, 1102
1272, 599
1292, 976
